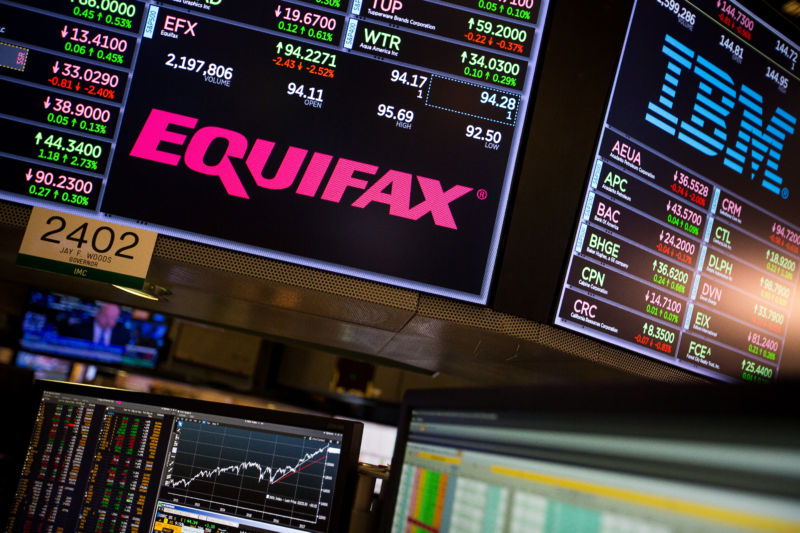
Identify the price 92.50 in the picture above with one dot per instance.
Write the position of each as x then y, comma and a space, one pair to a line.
480, 134
102, 240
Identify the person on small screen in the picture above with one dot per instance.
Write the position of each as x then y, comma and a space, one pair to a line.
104, 329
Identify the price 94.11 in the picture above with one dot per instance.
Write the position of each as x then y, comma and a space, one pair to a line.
102, 240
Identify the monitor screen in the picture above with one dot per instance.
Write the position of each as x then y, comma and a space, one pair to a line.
688, 238
500, 461
377, 445
93, 330
108, 460
377, 442
45, 367
380, 138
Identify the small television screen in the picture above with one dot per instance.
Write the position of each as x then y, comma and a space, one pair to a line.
44, 366
92, 330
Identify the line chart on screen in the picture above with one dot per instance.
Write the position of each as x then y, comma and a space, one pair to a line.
251, 474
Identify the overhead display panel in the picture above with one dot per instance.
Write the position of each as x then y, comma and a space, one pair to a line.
376, 139
688, 240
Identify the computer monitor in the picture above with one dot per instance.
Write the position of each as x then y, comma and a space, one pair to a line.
93, 330
108, 460
645, 460
44, 366
378, 443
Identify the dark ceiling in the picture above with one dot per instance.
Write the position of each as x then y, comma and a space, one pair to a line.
790, 9
342, 315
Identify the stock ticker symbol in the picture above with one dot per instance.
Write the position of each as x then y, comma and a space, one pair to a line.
758, 143
393, 189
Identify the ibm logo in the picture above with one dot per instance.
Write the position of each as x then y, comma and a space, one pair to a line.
759, 142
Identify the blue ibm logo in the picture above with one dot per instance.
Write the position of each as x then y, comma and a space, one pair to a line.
758, 145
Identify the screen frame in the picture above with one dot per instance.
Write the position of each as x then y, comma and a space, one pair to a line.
532, 264
346, 476
635, 411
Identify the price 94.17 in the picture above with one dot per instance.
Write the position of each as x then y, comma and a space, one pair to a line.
102, 240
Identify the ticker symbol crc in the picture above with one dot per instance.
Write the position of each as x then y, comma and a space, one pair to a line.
582, 307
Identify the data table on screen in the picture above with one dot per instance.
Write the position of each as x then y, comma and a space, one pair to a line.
688, 240
382, 136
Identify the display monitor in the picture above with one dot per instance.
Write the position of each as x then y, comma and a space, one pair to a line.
377, 442
376, 139
93, 330
688, 238
44, 366
650, 460
106, 460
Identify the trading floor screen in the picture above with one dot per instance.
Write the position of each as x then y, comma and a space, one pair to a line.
103, 465
483, 472
380, 136
689, 237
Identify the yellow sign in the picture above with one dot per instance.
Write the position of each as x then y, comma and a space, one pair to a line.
441, 458
87, 248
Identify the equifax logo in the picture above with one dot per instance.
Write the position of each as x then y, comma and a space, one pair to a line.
759, 141
393, 188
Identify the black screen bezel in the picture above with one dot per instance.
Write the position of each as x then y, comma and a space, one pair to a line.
569, 106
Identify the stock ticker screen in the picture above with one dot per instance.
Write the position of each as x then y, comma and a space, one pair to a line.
374, 138
688, 240
96, 463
